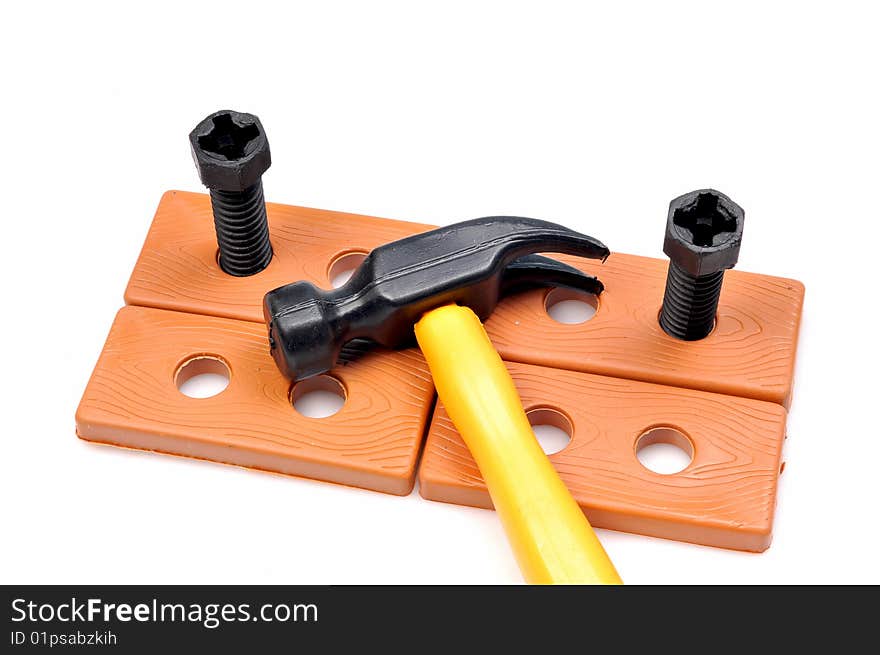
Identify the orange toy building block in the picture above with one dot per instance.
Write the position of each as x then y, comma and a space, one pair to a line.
132, 400
751, 353
726, 497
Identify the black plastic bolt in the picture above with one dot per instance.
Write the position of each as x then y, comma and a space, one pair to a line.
231, 153
703, 235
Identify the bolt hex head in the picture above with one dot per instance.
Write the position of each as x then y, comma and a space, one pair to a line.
704, 232
230, 150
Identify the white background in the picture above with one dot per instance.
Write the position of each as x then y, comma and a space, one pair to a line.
593, 116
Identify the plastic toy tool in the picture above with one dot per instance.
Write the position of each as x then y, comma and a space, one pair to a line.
681, 351
439, 284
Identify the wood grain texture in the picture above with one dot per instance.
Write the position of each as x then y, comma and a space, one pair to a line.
726, 497
132, 400
177, 268
751, 353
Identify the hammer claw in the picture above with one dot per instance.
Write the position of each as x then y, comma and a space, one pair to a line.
534, 271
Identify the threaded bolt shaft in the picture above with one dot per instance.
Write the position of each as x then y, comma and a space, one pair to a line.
242, 230
690, 303
231, 153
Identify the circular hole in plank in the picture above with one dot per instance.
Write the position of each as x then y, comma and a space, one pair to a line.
318, 397
571, 307
664, 450
343, 267
552, 428
202, 376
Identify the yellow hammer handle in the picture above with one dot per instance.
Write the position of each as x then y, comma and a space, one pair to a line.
550, 536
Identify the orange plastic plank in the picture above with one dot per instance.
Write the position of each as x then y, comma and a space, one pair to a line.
177, 268
751, 353
132, 400
726, 497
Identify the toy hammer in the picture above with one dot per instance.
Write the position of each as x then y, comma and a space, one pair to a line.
439, 285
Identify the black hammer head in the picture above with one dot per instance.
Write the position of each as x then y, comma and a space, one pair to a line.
471, 263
